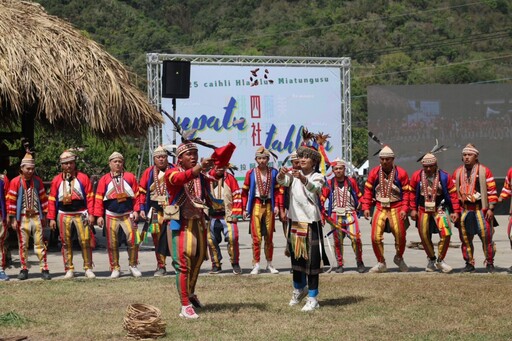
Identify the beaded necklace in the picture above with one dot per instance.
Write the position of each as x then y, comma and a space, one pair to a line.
385, 185
29, 196
467, 187
263, 188
341, 193
159, 185
429, 191
193, 191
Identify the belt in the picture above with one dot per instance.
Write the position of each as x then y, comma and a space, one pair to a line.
30, 215
263, 200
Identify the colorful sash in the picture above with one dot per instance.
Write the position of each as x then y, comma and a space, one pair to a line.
443, 223
299, 234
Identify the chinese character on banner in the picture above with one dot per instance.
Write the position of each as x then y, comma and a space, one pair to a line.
255, 107
256, 134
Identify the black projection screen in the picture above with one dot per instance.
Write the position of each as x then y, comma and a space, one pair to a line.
410, 118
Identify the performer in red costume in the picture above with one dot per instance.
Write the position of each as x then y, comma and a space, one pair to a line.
435, 207
117, 199
477, 194
153, 198
343, 196
387, 189
224, 215
186, 232
71, 196
27, 205
261, 200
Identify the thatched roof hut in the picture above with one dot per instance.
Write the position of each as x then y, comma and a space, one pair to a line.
51, 71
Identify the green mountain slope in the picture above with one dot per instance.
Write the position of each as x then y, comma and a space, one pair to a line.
390, 42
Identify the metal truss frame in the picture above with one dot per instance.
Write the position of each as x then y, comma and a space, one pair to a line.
155, 68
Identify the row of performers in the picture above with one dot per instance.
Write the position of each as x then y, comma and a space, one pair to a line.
173, 202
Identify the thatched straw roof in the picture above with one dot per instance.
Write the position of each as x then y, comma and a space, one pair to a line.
49, 67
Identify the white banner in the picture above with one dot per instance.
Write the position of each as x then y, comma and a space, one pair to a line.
258, 106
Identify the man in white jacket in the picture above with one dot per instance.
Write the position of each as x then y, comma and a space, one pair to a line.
305, 235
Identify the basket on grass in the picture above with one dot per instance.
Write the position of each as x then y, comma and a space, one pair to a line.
142, 321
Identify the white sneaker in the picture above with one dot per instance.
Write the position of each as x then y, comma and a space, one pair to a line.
89, 274
188, 312
444, 267
401, 264
135, 272
256, 269
69, 274
115, 274
271, 269
298, 295
378, 268
311, 304
431, 266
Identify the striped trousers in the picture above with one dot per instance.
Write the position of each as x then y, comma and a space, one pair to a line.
155, 235
425, 223
262, 214
188, 250
473, 223
112, 224
351, 224
66, 220
27, 226
230, 233
392, 216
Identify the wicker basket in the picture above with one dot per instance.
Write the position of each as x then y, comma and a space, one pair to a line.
142, 321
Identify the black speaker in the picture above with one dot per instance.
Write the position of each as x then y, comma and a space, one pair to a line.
176, 79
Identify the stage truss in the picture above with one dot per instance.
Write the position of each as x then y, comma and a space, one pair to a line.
154, 73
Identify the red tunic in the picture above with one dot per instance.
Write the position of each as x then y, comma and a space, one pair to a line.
106, 190
12, 196
55, 194
490, 184
401, 181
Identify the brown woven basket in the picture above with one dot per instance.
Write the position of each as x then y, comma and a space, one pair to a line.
142, 321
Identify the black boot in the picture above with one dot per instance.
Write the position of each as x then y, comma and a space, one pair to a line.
45, 274
23, 275
469, 268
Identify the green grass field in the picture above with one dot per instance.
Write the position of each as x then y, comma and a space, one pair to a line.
353, 307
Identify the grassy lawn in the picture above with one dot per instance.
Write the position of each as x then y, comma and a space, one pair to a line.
353, 307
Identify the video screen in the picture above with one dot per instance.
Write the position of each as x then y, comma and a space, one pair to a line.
410, 119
